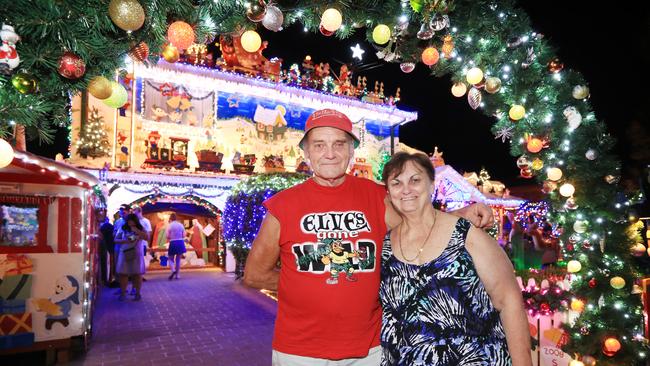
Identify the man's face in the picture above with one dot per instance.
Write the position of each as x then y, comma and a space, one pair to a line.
328, 151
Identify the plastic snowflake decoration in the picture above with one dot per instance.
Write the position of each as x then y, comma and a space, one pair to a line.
504, 133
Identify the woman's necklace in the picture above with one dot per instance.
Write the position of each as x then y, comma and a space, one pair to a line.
424, 243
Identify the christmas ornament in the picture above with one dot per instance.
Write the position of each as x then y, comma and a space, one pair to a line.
593, 283
573, 117
504, 133
256, 11
447, 46
381, 34
617, 282
331, 20
492, 84
589, 361
534, 145
544, 307
180, 34
425, 32
71, 66
24, 83
474, 75
357, 52
612, 179
576, 363
548, 186
571, 204
197, 53
407, 67
170, 53
580, 92
530, 57
251, 41
577, 305
140, 52
517, 112
6, 153
324, 31
580, 226
537, 164
514, 42
126, 14
474, 98
9, 58
100, 87
591, 154
458, 89
526, 173
439, 22
638, 250
567, 190
273, 18
573, 266
636, 289
554, 174
555, 65
430, 56
611, 346
523, 162
584, 330
118, 97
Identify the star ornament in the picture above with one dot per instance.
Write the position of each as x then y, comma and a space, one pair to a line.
504, 133
357, 52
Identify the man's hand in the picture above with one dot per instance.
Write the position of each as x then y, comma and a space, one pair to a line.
479, 214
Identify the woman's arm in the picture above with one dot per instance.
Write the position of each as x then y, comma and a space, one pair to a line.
497, 275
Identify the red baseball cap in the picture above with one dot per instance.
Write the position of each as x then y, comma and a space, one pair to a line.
329, 118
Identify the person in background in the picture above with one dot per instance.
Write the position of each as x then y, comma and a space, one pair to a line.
146, 225
118, 223
130, 258
176, 235
106, 249
448, 290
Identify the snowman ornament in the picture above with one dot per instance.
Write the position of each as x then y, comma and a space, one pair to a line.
9, 58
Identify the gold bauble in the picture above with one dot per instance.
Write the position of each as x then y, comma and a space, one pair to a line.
447, 46
458, 89
381, 34
638, 250
331, 20
554, 174
537, 164
170, 53
580, 226
517, 112
573, 266
100, 87
577, 305
492, 84
126, 14
576, 363
251, 41
567, 190
474, 75
617, 282
6, 153
589, 361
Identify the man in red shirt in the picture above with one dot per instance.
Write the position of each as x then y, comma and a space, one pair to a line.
327, 233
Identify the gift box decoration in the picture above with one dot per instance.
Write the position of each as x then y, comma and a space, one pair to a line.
11, 324
16, 341
16, 264
12, 306
18, 287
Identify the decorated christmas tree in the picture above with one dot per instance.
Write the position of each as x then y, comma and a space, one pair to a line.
93, 139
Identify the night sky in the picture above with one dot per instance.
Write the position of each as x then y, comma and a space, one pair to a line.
607, 42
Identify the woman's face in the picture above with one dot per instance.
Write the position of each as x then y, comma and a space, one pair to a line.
132, 224
411, 190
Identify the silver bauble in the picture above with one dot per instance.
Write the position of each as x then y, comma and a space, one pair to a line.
425, 32
407, 67
439, 22
591, 154
273, 18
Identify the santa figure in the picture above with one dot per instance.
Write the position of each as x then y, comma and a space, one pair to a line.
9, 58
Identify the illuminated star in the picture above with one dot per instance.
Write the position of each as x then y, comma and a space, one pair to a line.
357, 52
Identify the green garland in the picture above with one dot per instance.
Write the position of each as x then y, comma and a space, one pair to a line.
494, 36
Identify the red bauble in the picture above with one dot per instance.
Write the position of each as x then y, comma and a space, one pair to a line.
71, 66
324, 31
545, 307
592, 283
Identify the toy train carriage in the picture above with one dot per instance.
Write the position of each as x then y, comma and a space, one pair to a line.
174, 157
209, 161
244, 165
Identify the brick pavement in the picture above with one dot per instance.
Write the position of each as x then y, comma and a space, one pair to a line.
205, 318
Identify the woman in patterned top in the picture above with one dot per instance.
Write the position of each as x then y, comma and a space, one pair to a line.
448, 291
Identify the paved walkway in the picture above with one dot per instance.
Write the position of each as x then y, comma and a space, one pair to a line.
205, 318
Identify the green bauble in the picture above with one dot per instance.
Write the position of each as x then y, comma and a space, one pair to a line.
24, 83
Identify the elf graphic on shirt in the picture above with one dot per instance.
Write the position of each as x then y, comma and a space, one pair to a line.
338, 259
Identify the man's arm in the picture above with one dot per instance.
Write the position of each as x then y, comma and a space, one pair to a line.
261, 270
